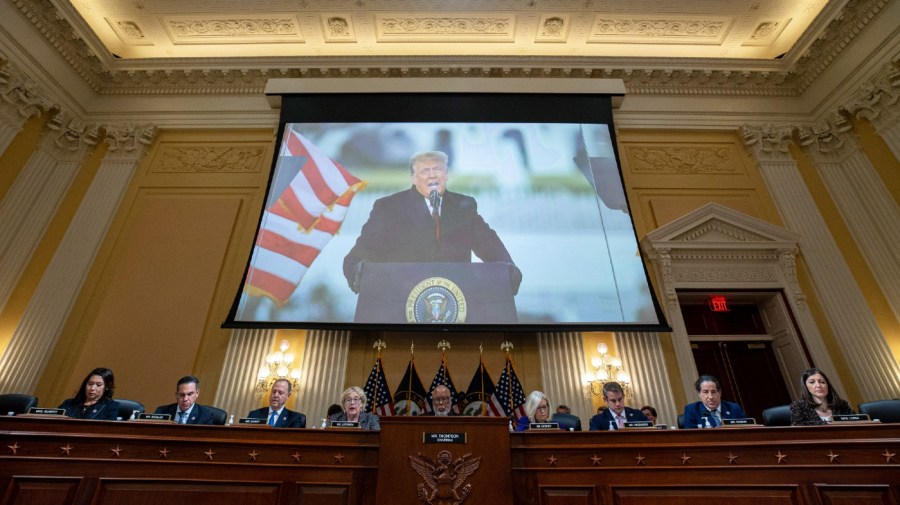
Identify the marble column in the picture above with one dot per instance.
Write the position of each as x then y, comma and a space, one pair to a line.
36, 335
855, 329
562, 367
866, 205
642, 357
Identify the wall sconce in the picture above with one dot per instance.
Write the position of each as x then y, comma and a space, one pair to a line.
606, 369
278, 366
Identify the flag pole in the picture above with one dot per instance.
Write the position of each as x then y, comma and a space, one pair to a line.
507, 346
412, 364
481, 373
379, 345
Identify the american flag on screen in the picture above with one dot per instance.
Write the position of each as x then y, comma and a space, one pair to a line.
298, 225
480, 399
378, 392
443, 377
509, 393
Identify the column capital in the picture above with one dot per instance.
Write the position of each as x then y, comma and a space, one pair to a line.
769, 143
829, 141
128, 141
20, 96
70, 136
878, 100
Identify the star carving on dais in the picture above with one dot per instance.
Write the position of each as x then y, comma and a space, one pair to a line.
732, 458
339, 458
117, 451
781, 457
15, 447
209, 454
164, 453
66, 449
595, 460
833, 456
685, 459
640, 459
888, 456
253, 454
296, 456
551, 460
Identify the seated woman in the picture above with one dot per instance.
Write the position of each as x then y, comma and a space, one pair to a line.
818, 402
353, 402
93, 400
537, 410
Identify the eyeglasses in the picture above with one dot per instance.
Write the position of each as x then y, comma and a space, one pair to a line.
440, 400
354, 400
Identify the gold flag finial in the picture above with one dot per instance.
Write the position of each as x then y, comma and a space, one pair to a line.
443, 345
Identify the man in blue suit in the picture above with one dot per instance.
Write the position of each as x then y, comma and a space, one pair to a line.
186, 410
710, 410
614, 417
275, 414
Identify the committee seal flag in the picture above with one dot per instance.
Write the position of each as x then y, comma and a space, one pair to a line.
301, 221
410, 399
479, 399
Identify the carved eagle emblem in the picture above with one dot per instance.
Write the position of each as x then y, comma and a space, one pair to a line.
444, 478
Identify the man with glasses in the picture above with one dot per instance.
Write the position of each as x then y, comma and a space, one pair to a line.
426, 224
186, 410
711, 409
441, 402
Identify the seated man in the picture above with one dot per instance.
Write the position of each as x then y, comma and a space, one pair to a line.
617, 414
441, 402
711, 407
186, 410
275, 414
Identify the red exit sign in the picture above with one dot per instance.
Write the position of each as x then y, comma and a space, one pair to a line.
718, 303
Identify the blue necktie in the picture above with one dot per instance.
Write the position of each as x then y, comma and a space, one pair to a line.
273, 417
714, 418
182, 417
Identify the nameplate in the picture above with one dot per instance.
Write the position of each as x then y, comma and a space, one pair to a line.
543, 426
443, 438
154, 417
46, 412
661, 426
746, 421
251, 420
849, 418
345, 424
637, 424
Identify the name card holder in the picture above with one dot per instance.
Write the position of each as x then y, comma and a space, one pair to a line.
252, 421
637, 424
44, 412
661, 426
153, 418
736, 423
345, 424
543, 426
850, 418
444, 438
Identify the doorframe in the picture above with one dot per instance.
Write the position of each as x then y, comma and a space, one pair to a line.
717, 248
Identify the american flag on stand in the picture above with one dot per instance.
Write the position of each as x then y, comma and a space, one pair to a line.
378, 392
480, 399
443, 377
509, 393
298, 225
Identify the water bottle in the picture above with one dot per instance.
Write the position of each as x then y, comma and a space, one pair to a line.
612, 426
324, 424
706, 423
230, 420
134, 414
10, 413
511, 429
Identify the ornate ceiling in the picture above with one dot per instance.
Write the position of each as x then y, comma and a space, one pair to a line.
733, 47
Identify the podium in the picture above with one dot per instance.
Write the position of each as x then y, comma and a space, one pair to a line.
437, 293
444, 461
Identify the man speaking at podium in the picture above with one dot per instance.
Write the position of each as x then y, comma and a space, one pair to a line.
426, 224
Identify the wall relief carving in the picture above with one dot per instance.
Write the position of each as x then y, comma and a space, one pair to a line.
681, 160
199, 158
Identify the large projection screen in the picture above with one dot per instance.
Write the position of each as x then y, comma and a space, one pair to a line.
532, 230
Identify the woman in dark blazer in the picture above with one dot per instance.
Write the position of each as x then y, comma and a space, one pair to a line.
353, 401
93, 400
818, 402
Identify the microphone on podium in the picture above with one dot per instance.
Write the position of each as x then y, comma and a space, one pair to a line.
435, 198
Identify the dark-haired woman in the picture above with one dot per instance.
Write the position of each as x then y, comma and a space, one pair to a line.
818, 402
93, 400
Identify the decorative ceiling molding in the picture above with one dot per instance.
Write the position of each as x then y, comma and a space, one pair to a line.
107, 75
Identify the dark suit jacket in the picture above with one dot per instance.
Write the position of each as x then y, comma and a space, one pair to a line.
103, 410
432, 414
199, 414
804, 414
600, 422
695, 412
287, 419
400, 230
